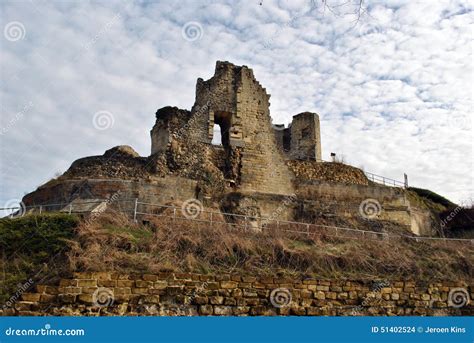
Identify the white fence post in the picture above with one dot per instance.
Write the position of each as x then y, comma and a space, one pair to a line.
70, 208
135, 210
41, 209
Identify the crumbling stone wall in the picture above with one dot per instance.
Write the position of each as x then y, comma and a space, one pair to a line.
262, 163
113, 294
322, 199
302, 139
327, 171
236, 101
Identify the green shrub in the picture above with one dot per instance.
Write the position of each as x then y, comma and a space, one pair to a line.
29, 247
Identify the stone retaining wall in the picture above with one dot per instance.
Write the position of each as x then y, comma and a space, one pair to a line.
93, 294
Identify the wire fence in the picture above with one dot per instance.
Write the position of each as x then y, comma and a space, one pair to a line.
193, 212
386, 181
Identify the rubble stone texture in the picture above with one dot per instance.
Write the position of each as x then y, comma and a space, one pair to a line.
186, 294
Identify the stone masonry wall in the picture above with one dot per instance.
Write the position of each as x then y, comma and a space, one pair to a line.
305, 137
322, 198
241, 105
93, 294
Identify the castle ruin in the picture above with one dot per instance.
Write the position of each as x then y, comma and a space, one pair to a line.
258, 166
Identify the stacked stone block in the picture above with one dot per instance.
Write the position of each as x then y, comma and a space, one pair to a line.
186, 294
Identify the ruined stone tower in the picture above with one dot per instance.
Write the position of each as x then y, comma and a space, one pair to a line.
235, 100
260, 170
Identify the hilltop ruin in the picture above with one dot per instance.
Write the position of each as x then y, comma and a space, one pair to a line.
258, 166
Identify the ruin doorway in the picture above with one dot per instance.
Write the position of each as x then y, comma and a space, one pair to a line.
223, 121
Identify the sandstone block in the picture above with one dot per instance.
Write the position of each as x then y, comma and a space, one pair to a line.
87, 283
33, 297
230, 301
201, 300
249, 279
239, 310
229, 284
206, 310
322, 288
150, 277
140, 290
222, 310
143, 284
320, 295
122, 290
68, 282
125, 283
107, 283
216, 300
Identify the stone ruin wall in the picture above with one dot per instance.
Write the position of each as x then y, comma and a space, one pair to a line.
235, 100
264, 163
185, 294
302, 139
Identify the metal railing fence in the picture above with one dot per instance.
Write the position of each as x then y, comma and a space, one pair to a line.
142, 210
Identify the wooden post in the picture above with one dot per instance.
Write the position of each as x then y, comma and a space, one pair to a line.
135, 210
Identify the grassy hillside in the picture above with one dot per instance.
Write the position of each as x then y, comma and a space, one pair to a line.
50, 246
33, 247
114, 242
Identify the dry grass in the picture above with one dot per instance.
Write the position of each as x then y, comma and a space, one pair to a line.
112, 242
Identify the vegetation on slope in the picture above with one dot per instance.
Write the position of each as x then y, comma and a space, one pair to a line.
433, 197
114, 243
33, 246
45, 247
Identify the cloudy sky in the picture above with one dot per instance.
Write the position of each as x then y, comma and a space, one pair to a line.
393, 89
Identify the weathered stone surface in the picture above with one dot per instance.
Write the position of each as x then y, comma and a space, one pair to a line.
416, 300
259, 170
